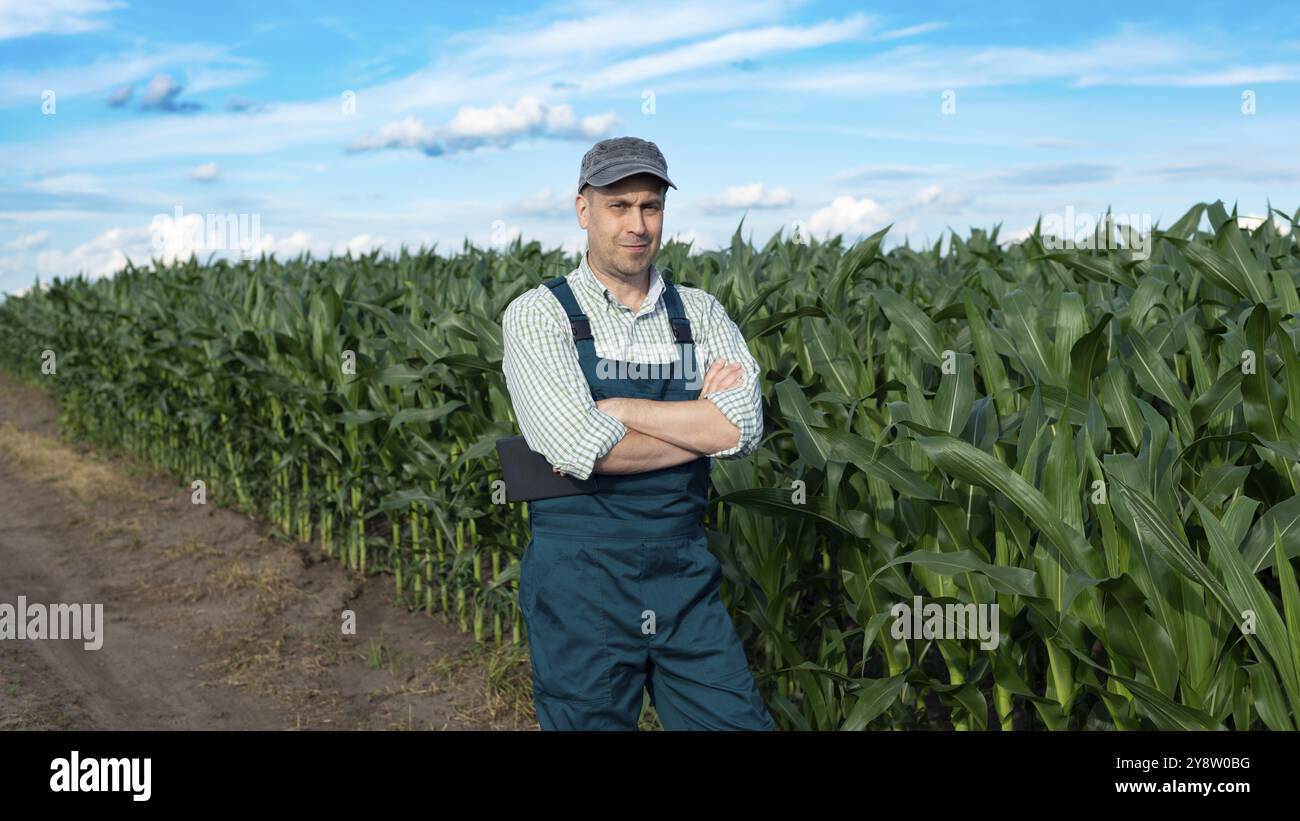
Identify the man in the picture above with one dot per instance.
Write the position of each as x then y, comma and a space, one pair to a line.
618, 588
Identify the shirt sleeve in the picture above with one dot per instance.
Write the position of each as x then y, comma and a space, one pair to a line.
549, 394
743, 404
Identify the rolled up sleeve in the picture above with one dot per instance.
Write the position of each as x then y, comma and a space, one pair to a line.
549, 394
743, 404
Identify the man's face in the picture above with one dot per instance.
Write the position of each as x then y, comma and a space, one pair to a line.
624, 223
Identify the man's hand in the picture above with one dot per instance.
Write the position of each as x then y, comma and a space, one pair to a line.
696, 425
721, 376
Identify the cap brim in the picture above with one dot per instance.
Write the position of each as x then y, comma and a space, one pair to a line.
617, 172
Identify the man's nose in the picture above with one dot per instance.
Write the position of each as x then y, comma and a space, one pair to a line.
638, 223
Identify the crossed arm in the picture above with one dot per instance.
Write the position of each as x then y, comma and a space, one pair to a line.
578, 436
665, 434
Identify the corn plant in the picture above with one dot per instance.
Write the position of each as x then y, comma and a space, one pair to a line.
1100, 446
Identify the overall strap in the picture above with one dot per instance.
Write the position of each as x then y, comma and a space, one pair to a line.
677, 314
681, 326
578, 322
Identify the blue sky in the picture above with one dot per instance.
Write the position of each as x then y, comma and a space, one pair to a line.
470, 120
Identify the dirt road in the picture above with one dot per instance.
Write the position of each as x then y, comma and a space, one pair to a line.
211, 622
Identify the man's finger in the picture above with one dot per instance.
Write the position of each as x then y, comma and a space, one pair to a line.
711, 376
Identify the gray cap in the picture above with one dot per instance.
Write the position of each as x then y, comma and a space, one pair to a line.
611, 160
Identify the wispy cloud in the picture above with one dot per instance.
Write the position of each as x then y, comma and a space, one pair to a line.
909, 31
1233, 76
1057, 174
23, 18
607, 29
79, 183
207, 78
102, 75
727, 48
1252, 169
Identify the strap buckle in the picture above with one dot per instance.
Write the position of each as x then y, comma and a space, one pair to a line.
682, 330
581, 328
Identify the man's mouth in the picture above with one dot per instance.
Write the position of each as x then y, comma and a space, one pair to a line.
636, 247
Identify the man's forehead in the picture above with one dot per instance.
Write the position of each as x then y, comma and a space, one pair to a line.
637, 193
637, 186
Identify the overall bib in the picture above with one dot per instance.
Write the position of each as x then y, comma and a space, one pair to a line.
618, 589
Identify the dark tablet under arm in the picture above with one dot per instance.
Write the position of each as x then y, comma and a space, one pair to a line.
528, 476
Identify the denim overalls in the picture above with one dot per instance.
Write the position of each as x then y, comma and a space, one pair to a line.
618, 588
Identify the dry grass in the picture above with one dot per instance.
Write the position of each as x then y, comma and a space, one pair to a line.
192, 549
48, 461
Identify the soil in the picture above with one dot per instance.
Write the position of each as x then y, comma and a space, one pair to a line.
212, 620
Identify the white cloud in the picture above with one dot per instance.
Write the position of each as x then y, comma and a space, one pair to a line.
20, 292
1250, 223
849, 216
205, 173
927, 195
498, 125
359, 245
1016, 236
103, 255
21, 18
408, 133
27, 242
160, 91
287, 248
161, 94
753, 195
505, 234
935, 198
168, 240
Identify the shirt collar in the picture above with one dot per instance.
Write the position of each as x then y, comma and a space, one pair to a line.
587, 280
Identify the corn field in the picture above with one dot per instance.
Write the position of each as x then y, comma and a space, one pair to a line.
1101, 446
